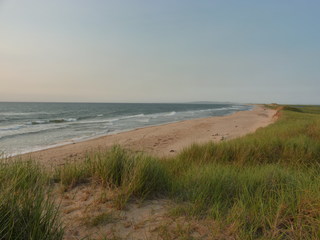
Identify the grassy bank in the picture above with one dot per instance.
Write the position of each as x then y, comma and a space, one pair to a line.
262, 186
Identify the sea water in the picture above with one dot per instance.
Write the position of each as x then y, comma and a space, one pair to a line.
27, 127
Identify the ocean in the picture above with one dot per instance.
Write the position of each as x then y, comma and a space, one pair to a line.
27, 127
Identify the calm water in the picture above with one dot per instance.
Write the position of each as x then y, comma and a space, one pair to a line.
26, 127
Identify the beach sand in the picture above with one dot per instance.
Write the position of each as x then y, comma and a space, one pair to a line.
164, 140
80, 205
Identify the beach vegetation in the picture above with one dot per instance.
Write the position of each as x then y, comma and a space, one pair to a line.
265, 185
27, 211
133, 175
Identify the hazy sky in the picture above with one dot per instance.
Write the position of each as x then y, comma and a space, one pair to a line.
160, 51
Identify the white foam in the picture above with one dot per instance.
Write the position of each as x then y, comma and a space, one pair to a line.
29, 130
171, 114
11, 127
21, 113
144, 120
70, 120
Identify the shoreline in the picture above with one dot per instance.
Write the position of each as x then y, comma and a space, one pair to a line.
162, 140
84, 139
15, 138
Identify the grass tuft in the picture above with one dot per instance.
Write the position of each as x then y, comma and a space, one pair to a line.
26, 209
132, 175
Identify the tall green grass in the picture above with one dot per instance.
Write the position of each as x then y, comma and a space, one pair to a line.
294, 140
26, 209
260, 201
135, 175
265, 185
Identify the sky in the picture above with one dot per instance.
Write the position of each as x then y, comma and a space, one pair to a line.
244, 51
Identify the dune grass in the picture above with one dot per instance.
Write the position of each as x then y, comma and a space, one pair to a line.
26, 210
294, 140
265, 185
258, 201
135, 175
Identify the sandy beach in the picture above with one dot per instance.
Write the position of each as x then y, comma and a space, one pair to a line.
164, 140
165, 120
